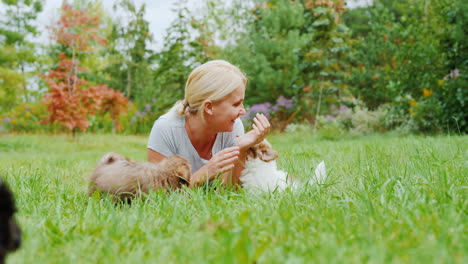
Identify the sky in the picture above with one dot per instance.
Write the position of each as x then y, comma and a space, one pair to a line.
158, 14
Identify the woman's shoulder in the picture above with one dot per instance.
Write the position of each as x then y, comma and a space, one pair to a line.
170, 119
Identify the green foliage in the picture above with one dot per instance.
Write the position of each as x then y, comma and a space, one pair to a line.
390, 54
10, 82
355, 121
406, 50
129, 54
142, 119
427, 116
452, 98
17, 54
295, 49
26, 117
182, 52
453, 95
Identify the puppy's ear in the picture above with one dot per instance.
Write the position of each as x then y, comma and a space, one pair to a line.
267, 155
251, 153
111, 157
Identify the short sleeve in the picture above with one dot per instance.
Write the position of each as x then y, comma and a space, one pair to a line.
161, 139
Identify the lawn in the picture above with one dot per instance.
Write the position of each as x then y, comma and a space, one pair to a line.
387, 199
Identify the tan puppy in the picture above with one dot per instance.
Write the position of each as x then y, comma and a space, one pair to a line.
119, 176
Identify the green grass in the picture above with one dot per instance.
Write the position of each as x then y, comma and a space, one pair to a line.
388, 199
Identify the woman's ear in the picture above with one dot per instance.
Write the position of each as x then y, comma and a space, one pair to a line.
208, 107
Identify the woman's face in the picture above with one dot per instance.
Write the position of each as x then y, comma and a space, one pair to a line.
226, 111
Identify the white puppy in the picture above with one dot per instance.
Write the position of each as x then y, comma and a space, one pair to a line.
261, 173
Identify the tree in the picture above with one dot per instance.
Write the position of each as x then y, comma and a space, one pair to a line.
183, 50
130, 58
70, 99
294, 49
17, 53
78, 31
410, 57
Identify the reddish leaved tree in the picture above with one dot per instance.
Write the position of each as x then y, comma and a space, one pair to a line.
71, 100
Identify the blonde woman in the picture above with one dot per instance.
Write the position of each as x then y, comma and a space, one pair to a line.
205, 127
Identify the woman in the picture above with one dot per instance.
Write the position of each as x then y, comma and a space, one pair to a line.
205, 127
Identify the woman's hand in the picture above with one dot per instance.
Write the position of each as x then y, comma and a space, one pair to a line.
220, 162
260, 129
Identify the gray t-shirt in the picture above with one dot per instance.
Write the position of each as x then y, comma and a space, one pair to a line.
169, 137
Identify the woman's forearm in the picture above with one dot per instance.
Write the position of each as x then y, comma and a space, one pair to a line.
232, 177
221, 162
199, 177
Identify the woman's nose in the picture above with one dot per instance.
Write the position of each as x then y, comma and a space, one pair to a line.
242, 111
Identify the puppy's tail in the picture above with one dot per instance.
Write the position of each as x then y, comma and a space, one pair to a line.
320, 174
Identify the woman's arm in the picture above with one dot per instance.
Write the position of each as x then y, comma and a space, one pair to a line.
260, 129
232, 177
154, 156
220, 163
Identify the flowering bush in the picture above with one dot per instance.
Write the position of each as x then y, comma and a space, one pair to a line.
26, 118
437, 108
278, 114
141, 119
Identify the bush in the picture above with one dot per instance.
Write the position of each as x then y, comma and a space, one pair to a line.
279, 114
452, 97
329, 129
357, 120
140, 119
26, 118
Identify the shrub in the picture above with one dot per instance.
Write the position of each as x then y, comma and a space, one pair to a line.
329, 128
357, 120
298, 127
365, 121
279, 114
141, 119
452, 97
26, 118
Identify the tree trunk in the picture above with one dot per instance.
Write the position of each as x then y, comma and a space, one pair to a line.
318, 105
129, 80
25, 89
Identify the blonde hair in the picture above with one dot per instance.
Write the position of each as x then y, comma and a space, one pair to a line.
213, 80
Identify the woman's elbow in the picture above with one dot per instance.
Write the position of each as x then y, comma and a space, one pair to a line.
154, 156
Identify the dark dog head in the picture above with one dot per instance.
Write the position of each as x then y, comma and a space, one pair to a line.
263, 151
10, 233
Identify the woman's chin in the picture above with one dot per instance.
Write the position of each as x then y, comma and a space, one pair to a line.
228, 128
